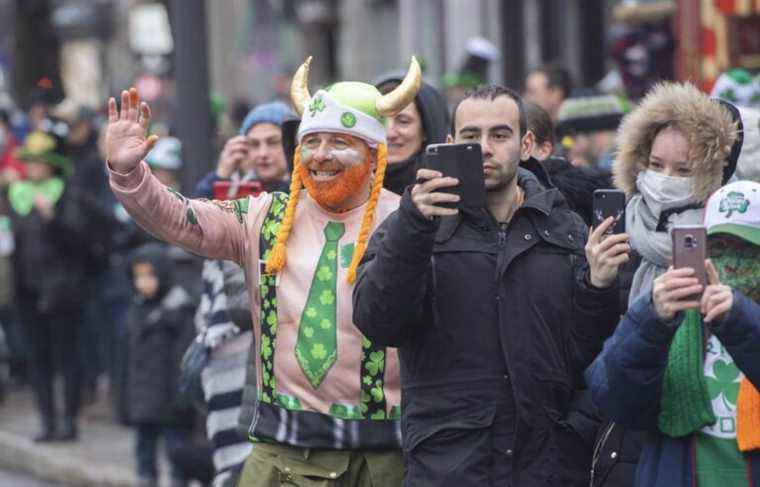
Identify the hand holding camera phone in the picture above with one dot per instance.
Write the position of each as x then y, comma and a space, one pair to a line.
676, 290
463, 162
609, 203
690, 250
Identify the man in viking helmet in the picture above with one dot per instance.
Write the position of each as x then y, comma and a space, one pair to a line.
328, 399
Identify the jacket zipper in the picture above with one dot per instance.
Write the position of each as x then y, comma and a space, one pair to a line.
598, 450
502, 234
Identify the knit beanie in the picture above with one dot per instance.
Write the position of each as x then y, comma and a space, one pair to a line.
590, 113
275, 112
738, 86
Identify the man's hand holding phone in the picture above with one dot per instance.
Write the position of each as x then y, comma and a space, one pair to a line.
235, 151
427, 197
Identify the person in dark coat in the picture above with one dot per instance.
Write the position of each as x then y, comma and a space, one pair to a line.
424, 122
160, 328
496, 313
49, 263
88, 185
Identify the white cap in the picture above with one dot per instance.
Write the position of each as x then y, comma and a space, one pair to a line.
735, 210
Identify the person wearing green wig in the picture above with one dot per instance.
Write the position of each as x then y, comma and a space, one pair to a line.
49, 263
685, 368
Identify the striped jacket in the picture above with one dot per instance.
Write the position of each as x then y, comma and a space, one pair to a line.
224, 375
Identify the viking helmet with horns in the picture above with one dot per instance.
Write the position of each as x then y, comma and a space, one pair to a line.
351, 108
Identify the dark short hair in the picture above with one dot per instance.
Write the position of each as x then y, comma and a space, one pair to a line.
557, 77
539, 123
492, 92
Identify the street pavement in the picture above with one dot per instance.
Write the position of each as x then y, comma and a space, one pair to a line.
16, 479
103, 456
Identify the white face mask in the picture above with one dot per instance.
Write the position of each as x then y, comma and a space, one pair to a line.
663, 192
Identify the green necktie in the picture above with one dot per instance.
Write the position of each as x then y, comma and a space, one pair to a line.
316, 348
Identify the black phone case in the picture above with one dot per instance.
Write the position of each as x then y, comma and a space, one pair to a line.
464, 162
607, 203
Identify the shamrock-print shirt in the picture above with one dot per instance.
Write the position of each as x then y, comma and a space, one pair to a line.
230, 231
342, 384
718, 459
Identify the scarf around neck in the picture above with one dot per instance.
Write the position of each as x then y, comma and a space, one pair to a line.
654, 246
23, 193
685, 403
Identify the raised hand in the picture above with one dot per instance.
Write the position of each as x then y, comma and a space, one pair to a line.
235, 151
126, 142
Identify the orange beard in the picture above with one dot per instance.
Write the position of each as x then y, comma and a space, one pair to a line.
332, 194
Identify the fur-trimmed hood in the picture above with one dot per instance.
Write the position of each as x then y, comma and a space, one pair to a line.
709, 129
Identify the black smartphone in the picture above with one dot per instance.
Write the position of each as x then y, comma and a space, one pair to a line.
690, 250
607, 203
464, 162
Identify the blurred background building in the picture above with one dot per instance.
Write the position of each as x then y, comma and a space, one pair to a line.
198, 60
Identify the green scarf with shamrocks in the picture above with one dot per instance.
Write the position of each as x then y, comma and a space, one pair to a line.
23, 193
685, 403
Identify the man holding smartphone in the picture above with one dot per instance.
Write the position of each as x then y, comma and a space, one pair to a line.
496, 313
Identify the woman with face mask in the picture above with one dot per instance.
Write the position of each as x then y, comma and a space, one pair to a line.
684, 368
675, 149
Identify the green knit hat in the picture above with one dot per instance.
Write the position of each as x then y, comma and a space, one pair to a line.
591, 113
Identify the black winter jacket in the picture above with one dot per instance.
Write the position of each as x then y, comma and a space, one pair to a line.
159, 331
50, 257
485, 317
